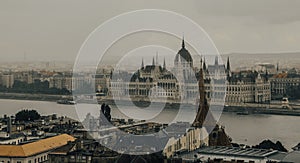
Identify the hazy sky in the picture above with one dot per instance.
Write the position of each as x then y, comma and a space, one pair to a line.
55, 29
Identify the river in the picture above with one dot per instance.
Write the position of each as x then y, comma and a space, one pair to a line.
246, 129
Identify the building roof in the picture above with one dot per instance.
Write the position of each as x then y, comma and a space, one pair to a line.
64, 149
184, 54
292, 157
280, 75
234, 152
241, 152
33, 148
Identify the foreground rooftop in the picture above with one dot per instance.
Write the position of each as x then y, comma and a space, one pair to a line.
36, 147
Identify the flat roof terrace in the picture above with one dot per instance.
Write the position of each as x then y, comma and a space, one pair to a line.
235, 151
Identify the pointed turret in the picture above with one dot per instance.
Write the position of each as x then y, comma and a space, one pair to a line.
164, 66
204, 65
267, 75
216, 60
142, 66
153, 62
228, 64
201, 63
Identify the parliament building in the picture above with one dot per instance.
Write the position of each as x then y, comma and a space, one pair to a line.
180, 83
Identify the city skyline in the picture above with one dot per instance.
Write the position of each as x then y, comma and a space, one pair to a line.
149, 81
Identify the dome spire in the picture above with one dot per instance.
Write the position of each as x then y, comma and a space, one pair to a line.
183, 44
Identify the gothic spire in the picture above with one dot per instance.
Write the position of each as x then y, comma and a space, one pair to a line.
153, 62
204, 117
164, 66
183, 44
204, 65
202, 108
228, 64
267, 75
201, 63
142, 66
216, 60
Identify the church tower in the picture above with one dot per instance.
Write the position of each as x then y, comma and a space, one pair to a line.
203, 108
205, 119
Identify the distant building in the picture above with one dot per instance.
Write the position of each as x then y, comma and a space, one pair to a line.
281, 82
26, 76
102, 82
177, 84
248, 87
8, 80
180, 84
33, 152
68, 82
145, 81
263, 67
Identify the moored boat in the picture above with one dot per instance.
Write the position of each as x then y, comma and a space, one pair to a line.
66, 102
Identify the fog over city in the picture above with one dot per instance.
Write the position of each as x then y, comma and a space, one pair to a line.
55, 30
172, 81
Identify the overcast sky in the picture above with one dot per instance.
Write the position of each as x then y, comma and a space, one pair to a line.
55, 29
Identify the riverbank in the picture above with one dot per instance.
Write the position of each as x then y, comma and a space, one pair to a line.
273, 109
31, 97
250, 129
252, 110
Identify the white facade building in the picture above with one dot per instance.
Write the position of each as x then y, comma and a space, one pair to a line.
8, 80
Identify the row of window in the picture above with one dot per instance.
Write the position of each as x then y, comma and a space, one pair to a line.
36, 160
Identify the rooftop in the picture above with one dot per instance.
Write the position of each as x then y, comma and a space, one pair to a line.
235, 151
39, 146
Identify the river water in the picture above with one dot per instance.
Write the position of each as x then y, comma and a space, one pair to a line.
246, 129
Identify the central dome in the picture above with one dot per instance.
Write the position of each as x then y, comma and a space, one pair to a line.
184, 54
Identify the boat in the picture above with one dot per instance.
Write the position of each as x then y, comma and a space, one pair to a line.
242, 113
285, 101
66, 102
100, 94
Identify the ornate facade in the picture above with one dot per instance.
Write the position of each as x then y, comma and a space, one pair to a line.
248, 87
181, 83
281, 82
